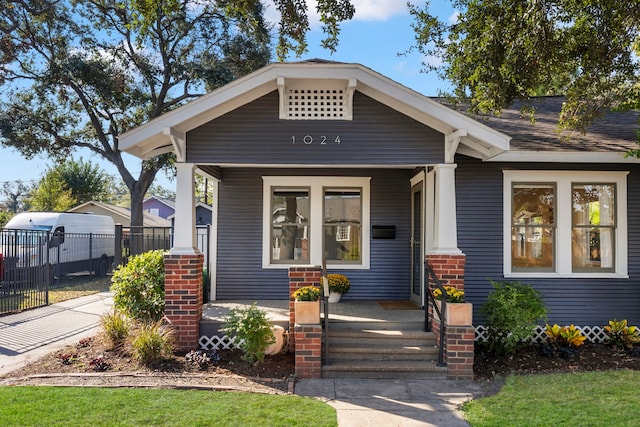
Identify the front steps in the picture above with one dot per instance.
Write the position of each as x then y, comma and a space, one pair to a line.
382, 350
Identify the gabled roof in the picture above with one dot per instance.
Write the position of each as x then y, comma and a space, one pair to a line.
167, 133
149, 220
167, 202
606, 140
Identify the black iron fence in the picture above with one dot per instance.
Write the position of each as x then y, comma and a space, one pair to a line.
33, 261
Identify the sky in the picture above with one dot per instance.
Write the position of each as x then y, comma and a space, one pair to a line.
379, 32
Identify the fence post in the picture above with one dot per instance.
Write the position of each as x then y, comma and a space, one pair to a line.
117, 256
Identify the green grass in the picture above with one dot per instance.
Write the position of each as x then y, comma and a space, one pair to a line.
62, 406
78, 286
608, 398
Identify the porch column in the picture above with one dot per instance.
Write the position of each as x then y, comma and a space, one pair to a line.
183, 265
445, 237
184, 229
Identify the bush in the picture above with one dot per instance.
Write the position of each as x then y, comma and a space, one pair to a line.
138, 287
512, 310
116, 327
251, 326
153, 343
621, 335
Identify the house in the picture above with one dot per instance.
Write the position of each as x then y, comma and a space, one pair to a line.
159, 206
320, 160
119, 214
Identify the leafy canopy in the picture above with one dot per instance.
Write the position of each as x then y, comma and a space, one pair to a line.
501, 50
78, 73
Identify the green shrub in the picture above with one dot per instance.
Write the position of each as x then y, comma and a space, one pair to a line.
253, 330
116, 327
153, 343
622, 335
138, 287
511, 311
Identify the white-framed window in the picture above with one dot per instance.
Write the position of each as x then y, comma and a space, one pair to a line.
308, 218
565, 224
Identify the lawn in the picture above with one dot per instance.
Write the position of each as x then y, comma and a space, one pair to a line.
608, 398
78, 286
69, 406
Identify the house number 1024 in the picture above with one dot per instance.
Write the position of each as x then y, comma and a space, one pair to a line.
309, 139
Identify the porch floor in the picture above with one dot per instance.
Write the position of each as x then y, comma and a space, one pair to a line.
344, 311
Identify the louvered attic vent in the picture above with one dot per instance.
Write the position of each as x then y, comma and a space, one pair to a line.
316, 99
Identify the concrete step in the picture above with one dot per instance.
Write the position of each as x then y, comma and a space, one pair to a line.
387, 325
390, 338
384, 369
383, 352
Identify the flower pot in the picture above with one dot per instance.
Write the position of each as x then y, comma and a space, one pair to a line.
307, 312
458, 313
276, 347
334, 297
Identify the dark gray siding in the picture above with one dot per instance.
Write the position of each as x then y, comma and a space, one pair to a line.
580, 301
240, 274
253, 134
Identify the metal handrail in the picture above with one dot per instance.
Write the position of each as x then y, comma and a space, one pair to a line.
325, 320
440, 311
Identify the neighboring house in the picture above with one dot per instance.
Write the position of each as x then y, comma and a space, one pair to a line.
119, 214
3, 208
158, 206
316, 155
203, 215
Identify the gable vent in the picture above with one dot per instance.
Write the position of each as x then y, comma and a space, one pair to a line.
316, 100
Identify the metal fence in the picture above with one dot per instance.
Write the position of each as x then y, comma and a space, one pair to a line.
33, 261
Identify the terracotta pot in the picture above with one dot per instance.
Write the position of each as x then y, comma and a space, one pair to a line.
458, 313
307, 312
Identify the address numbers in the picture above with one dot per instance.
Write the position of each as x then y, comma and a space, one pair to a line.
315, 139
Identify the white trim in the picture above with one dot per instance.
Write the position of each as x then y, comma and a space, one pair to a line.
564, 157
562, 249
445, 237
213, 239
316, 184
184, 236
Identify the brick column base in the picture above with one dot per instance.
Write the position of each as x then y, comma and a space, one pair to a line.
308, 357
458, 340
300, 277
183, 297
458, 352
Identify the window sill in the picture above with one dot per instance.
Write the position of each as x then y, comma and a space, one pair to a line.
565, 275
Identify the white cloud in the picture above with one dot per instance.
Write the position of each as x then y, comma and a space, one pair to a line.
366, 10
453, 18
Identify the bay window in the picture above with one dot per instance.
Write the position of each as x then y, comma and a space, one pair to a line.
565, 224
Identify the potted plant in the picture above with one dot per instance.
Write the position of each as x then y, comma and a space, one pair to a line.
307, 305
338, 284
458, 312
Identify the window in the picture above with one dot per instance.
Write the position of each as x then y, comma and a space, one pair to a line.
565, 224
307, 219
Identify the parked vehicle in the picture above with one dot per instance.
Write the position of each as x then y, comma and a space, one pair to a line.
63, 242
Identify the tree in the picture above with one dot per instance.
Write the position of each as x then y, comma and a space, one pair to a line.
69, 184
499, 51
15, 196
76, 74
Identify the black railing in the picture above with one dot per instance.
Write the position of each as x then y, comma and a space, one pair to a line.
325, 320
440, 311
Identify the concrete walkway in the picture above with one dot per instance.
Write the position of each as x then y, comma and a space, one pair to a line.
31, 334
375, 402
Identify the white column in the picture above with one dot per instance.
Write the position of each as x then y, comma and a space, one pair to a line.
184, 228
445, 236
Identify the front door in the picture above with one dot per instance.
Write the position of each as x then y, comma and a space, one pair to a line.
417, 259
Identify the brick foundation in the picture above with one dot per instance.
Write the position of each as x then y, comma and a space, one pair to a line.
306, 340
458, 340
183, 297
